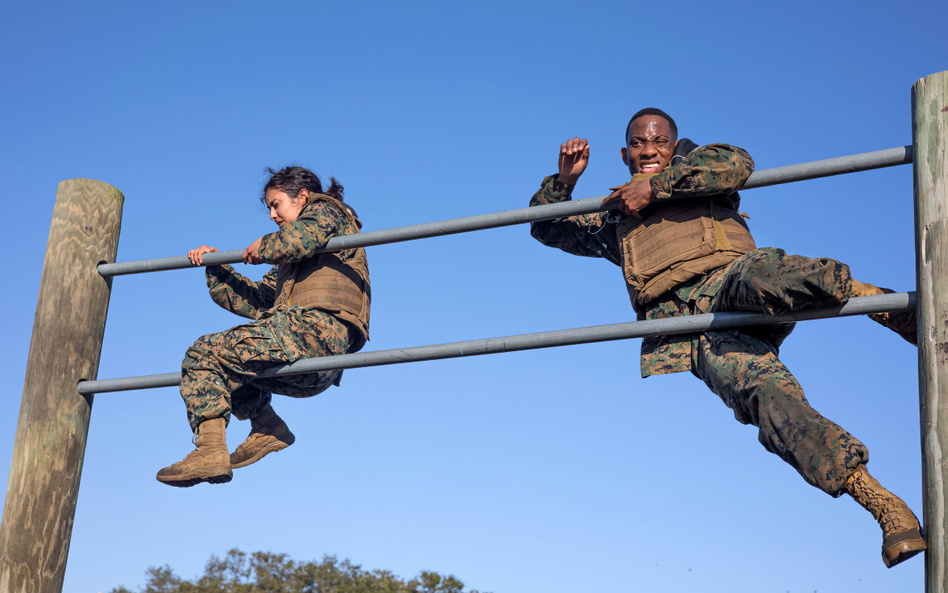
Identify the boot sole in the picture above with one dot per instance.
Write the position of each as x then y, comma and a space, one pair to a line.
271, 448
217, 475
908, 544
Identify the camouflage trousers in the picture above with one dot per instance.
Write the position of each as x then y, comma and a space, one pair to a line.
219, 372
742, 367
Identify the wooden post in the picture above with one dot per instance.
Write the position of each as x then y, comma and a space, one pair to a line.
54, 419
930, 165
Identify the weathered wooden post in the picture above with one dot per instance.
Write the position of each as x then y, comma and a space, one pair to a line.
54, 419
930, 164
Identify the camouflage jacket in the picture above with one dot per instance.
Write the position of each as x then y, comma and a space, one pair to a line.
712, 170
316, 224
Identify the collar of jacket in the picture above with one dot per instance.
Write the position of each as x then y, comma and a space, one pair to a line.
313, 198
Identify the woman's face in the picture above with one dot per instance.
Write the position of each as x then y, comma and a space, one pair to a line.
283, 208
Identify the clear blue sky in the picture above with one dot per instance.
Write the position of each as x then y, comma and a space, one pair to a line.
548, 471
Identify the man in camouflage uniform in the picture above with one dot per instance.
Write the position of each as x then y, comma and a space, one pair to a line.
695, 255
308, 305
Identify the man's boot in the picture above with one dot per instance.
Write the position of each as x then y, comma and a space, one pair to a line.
268, 434
901, 534
208, 463
904, 323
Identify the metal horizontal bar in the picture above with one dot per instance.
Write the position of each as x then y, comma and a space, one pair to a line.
866, 161
568, 337
812, 170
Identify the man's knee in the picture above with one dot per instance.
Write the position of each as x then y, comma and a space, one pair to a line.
761, 261
778, 397
747, 375
768, 397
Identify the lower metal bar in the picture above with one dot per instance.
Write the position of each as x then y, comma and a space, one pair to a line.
812, 170
585, 335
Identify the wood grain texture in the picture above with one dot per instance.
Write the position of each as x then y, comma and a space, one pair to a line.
54, 419
930, 142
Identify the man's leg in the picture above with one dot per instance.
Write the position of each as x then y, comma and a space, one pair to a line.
904, 323
771, 281
747, 375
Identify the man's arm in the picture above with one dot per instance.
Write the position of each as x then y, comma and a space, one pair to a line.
709, 170
578, 235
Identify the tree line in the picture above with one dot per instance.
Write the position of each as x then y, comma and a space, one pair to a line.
265, 572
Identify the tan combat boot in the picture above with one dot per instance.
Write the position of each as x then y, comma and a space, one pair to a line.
901, 534
268, 434
904, 323
208, 463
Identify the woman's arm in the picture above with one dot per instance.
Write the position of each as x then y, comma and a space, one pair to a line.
238, 294
316, 224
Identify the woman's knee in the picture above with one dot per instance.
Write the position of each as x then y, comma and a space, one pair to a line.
202, 352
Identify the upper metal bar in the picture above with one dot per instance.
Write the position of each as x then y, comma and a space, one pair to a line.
812, 170
601, 333
866, 161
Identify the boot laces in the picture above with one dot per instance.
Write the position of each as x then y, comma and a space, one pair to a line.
882, 505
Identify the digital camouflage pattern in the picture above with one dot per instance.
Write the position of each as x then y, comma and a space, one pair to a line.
316, 224
741, 367
749, 378
711, 170
715, 170
219, 371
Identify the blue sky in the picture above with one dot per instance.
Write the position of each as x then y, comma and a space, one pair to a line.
556, 470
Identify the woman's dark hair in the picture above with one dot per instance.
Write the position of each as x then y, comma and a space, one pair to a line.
292, 180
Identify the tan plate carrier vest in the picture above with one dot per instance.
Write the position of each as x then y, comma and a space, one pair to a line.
678, 242
329, 284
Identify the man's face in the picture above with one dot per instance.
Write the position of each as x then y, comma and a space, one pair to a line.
650, 145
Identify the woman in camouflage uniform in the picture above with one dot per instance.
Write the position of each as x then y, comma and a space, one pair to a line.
310, 304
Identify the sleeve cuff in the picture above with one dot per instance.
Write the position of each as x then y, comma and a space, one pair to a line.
554, 183
265, 248
661, 186
218, 272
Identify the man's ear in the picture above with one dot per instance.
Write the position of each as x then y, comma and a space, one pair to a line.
625, 158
